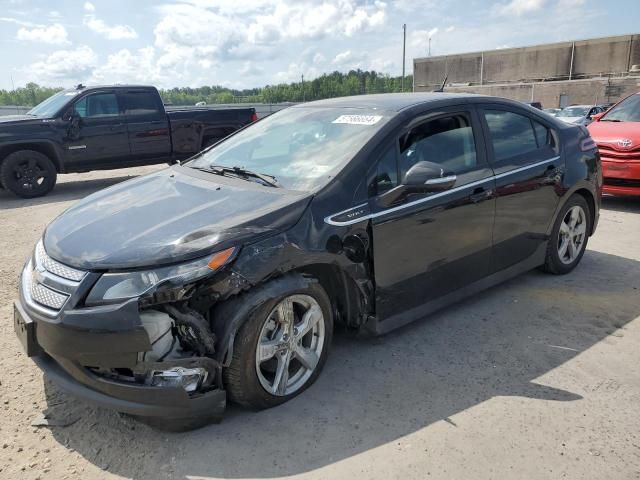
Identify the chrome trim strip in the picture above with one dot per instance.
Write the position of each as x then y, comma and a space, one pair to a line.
328, 220
527, 167
76, 147
25, 282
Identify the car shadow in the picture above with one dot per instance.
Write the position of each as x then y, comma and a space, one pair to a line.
377, 390
63, 192
621, 204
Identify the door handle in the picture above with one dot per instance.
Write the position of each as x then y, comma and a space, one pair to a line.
480, 195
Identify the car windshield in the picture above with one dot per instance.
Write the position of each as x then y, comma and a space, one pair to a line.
573, 112
626, 111
52, 105
302, 147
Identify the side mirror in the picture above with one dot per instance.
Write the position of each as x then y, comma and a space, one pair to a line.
423, 177
597, 116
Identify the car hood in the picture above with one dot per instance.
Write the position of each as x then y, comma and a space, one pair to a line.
17, 118
611, 132
570, 119
169, 216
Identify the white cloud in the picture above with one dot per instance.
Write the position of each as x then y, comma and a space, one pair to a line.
519, 7
64, 65
250, 69
110, 32
17, 21
54, 34
89, 7
449, 29
126, 66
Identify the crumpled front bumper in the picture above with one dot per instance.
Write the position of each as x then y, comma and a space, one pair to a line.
64, 347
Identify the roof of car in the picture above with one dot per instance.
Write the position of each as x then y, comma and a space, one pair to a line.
388, 101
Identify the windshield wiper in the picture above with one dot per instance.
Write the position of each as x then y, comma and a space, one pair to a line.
610, 120
242, 173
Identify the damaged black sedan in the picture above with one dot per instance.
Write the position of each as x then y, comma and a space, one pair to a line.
222, 278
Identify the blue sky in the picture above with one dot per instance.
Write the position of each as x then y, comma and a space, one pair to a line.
250, 43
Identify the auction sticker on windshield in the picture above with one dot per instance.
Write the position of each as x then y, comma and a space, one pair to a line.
358, 119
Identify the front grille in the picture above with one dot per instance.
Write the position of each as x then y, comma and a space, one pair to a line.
55, 267
47, 297
47, 284
607, 151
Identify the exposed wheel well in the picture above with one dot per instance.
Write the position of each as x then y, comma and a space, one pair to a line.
346, 298
588, 196
43, 148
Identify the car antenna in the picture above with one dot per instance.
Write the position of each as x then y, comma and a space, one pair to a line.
444, 82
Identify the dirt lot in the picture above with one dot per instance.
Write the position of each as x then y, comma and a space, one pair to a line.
535, 378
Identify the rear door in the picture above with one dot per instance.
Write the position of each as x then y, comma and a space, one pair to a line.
431, 244
100, 138
524, 155
147, 125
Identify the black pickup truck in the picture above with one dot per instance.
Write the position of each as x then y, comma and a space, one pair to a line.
104, 127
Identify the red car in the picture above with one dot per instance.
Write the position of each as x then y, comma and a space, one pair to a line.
617, 134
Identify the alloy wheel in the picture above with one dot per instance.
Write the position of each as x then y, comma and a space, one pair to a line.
572, 235
290, 345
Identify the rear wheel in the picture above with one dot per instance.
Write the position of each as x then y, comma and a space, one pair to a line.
569, 237
28, 173
281, 348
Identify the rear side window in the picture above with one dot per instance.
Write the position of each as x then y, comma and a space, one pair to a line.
98, 105
543, 135
511, 134
141, 104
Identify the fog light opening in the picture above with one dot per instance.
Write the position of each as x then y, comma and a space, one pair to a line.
188, 378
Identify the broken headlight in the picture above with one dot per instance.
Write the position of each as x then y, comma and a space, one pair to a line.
116, 287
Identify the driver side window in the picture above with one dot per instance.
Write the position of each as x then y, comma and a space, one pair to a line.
446, 141
99, 105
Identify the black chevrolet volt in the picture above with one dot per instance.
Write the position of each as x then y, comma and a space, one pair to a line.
223, 277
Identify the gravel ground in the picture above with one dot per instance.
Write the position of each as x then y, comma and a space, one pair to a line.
536, 378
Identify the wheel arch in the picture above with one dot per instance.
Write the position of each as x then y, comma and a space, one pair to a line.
44, 147
347, 300
584, 189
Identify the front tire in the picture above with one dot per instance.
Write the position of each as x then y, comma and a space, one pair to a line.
280, 349
28, 173
569, 236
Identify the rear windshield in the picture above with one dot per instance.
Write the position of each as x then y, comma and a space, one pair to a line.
302, 147
627, 110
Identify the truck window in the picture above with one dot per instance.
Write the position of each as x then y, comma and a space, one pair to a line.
98, 105
141, 104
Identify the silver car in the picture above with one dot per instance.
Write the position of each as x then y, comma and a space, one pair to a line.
578, 114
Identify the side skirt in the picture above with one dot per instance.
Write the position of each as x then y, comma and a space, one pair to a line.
378, 327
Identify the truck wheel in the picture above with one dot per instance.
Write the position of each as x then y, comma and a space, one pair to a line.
282, 346
28, 173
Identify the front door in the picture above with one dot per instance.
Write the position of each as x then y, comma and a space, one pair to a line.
430, 245
525, 158
97, 137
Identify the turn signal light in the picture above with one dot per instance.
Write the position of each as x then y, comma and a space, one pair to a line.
220, 258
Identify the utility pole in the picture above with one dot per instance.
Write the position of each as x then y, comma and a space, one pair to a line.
429, 54
404, 43
303, 94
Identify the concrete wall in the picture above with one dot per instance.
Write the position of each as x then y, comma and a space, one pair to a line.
12, 110
589, 91
594, 57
